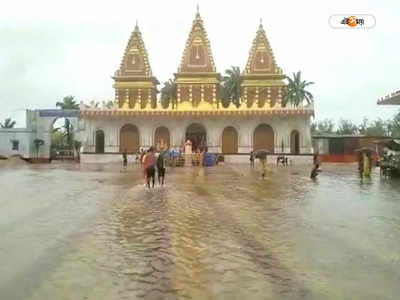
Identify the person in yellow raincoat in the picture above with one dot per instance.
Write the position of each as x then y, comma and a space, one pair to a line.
366, 164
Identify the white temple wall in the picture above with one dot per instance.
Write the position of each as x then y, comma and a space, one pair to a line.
245, 127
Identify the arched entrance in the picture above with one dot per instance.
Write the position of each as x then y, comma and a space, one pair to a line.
295, 142
99, 142
264, 138
229, 140
197, 134
161, 138
129, 139
62, 139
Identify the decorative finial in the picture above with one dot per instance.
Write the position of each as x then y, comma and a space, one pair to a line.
260, 21
198, 10
136, 26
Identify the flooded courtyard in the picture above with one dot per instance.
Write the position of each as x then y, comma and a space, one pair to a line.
71, 231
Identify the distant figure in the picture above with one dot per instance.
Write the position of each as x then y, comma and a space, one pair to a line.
161, 168
142, 159
282, 159
141, 154
263, 161
149, 166
367, 164
315, 171
124, 159
252, 159
316, 163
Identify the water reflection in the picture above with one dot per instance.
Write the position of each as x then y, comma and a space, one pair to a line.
214, 233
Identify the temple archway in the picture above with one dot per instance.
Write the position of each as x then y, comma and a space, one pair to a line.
61, 138
197, 134
99, 141
161, 138
294, 142
129, 139
229, 140
264, 138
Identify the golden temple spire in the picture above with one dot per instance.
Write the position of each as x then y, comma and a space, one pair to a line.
197, 56
135, 61
261, 58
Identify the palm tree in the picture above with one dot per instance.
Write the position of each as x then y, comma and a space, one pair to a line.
168, 94
68, 103
38, 143
230, 86
8, 123
295, 92
110, 104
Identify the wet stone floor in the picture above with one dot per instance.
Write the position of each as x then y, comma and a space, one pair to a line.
71, 231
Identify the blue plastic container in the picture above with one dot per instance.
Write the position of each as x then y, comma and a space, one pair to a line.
209, 159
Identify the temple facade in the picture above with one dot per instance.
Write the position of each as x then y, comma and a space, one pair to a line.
138, 120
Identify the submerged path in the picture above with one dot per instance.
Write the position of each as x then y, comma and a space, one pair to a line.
94, 232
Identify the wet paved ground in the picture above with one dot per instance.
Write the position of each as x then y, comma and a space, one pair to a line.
94, 232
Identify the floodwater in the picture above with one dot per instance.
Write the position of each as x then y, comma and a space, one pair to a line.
93, 232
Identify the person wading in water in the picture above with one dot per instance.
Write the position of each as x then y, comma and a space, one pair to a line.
149, 166
161, 168
142, 157
252, 158
124, 159
316, 163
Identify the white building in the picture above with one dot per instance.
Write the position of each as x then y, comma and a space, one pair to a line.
137, 120
195, 111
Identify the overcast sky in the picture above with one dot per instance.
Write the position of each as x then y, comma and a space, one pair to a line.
50, 49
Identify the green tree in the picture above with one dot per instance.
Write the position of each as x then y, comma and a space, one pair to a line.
295, 93
110, 104
378, 127
325, 126
68, 103
363, 127
37, 143
168, 94
8, 123
347, 127
58, 138
394, 126
231, 87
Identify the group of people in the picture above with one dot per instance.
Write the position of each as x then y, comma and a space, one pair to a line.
150, 161
284, 160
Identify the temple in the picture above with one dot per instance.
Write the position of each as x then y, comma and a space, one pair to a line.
390, 99
138, 120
